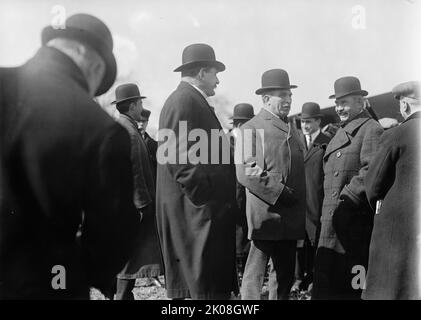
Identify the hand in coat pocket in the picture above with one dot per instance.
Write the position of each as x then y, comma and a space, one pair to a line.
342, 220
288, 197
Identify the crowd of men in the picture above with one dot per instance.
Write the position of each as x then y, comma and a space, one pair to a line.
305, 207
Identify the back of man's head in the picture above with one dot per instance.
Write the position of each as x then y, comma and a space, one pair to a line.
85, 57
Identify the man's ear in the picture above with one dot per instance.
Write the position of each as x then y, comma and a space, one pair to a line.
406, 107
132, 106
265, 98
201, 73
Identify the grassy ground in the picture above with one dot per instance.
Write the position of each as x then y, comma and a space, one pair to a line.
144, 292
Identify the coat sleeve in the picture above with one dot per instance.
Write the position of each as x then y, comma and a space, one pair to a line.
110, 218
193, 178
355, 190
250, 173
381, 174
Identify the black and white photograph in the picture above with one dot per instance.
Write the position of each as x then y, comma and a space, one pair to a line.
228, 151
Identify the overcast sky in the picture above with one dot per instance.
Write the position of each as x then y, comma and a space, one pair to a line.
316, 41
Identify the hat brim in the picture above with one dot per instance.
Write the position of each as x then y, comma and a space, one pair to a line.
265, 89
205, 63
240, 118
129, 98
362, 92
308, 116
93, 41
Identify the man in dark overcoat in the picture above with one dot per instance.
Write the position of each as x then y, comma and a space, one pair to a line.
196, 186
315, 143
65, 167
393, 183
242, 113
346, 221
272, 171
145, 260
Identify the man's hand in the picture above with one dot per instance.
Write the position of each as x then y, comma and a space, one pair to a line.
288, 197
342, 219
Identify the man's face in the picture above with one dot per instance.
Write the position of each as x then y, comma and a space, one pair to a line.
309, 126
143, 124
208, 81
137, 109
279, 102
348, 107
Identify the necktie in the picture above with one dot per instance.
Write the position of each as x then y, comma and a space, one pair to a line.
309, 141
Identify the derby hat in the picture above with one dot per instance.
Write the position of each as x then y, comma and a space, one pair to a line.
273, 80
89, 30
410, 89
346, 86
310, 110
243, 111
199, 54
128, 91
144, 115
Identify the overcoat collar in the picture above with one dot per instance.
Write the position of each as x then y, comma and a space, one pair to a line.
125, 118
277, 122
314, 147
342, 136
413, 116
53, 60
187, 86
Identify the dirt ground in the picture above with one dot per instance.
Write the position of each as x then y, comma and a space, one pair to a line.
143, 291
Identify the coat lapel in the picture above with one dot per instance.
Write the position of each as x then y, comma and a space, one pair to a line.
342, 136
204, 103
278, 123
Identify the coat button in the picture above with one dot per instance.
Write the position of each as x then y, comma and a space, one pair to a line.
336, 173
338, 154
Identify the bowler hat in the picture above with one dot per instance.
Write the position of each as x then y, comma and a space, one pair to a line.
310, 110
410, 89
243, 111
199, 54
273, 80
144, 115
89, 30
128, 91
346, 86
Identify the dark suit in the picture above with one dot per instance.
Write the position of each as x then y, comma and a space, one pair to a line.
65, 162
275, 219
194, 202
394, 177
313, 164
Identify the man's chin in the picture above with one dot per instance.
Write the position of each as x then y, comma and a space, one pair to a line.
343, 119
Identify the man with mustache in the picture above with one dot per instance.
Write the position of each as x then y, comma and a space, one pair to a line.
346, 221
273, 174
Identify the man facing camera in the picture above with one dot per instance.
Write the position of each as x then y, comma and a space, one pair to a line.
273, 175
346, 220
